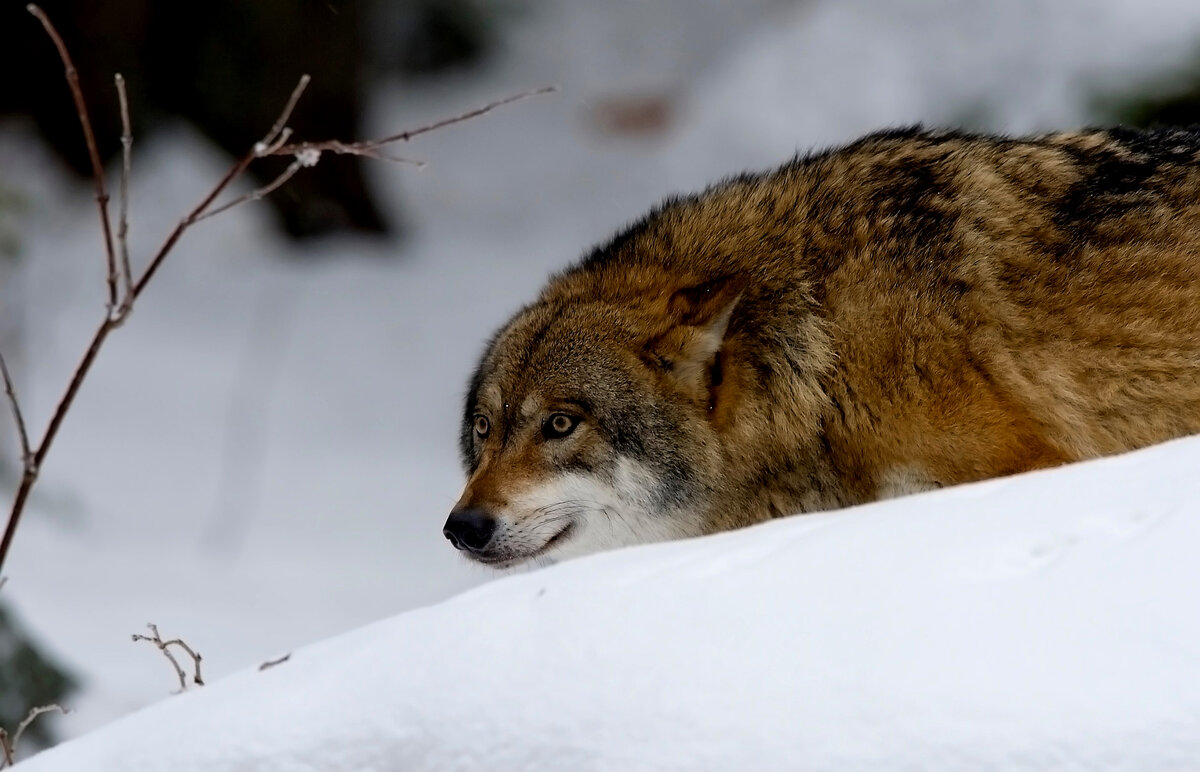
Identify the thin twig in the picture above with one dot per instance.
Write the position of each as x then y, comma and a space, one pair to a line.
257, 193
8, 745
33, 715
93, 152
280, 126
106, 326
163, 646
18, 417
274, 143
273, 662
235, 171
60, 412
123, 219
283, 137
370, 148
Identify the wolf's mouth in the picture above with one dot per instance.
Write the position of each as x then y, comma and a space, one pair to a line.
507, 561
556, 538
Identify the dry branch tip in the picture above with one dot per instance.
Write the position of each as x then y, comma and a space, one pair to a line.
89, 137
273, 662
124, 269
164, 647
27, 459
9, 743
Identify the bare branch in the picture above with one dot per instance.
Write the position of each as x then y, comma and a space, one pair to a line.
33, 715
164, 647
18, 417
195, 655
60, 412
370, 148
111, 321
279, 131
8, 745
257, 193
283, 137
93, 153
274, 143
266, 143
123, 218
273, 662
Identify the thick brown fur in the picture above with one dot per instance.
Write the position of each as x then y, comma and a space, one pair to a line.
915, 310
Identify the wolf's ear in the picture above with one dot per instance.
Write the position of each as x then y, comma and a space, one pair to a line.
705, 304
698, 319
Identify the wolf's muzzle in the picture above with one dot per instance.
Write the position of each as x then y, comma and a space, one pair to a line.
469, 529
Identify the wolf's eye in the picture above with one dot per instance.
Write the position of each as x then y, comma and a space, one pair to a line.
559, 425
482, 426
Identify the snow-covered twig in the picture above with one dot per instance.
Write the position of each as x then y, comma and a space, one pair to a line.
163, 646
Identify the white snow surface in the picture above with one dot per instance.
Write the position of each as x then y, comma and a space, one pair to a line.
1044, 622
265, 453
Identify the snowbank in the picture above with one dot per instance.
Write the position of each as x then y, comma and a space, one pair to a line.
1040, 622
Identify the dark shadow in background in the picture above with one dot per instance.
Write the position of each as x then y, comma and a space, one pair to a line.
227, 67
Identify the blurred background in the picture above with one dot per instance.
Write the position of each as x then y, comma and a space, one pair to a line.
264, 455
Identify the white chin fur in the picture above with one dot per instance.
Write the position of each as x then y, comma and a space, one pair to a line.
601, 515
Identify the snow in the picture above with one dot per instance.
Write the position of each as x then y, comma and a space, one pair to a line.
1039, 622
308, 157
265, 452
829, 71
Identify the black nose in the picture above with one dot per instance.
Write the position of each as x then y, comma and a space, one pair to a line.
469, 529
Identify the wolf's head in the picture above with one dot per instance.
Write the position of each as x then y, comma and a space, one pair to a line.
591, 421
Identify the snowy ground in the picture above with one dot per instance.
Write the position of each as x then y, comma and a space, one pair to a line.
1035, 623
265, 454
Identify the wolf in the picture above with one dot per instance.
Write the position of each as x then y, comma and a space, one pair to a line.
914, 310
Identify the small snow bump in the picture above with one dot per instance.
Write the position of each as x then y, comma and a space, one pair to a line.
308, 157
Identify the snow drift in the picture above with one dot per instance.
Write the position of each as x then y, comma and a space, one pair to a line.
1046, 621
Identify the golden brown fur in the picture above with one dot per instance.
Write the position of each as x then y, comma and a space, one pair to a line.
912, 311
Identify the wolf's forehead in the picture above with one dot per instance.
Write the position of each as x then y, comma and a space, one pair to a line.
551, 346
